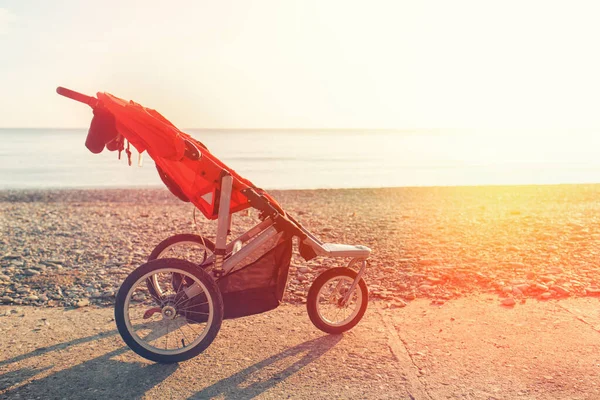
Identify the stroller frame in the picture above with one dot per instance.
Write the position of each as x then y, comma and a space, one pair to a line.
261, 233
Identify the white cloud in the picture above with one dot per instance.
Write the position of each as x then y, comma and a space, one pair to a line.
6, 20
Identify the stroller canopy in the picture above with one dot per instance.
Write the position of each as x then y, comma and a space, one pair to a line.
196, 179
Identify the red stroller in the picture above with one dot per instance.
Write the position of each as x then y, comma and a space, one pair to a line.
170, 309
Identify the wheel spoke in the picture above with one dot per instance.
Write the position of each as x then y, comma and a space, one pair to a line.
197, 312
183, 333
192, 329
184, 298
191, 306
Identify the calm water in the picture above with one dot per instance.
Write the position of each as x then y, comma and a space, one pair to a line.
57, 158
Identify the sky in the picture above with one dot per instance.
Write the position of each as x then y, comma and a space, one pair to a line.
306, 64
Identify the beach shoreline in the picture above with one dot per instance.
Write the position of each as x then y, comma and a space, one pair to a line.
74, 247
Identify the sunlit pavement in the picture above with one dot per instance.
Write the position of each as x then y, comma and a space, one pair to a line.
475, 348
467, 348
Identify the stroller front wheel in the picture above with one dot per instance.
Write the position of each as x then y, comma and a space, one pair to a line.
179, 323
325, 305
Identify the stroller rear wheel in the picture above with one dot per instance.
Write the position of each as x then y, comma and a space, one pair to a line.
184, 246
325, 304
158, 327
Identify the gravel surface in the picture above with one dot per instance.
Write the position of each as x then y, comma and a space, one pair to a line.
73, 248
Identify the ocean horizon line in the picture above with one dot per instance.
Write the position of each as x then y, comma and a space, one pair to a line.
345, 130
417, 130
449, 186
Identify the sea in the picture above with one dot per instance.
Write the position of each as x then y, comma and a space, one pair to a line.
311, 159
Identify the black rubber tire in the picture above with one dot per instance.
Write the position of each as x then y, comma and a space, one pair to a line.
184, 266
311, 301
184, 237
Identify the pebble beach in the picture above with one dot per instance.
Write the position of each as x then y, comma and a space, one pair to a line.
73, 248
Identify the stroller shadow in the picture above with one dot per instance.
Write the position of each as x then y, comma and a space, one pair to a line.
104, 377
59, 346
99, 377
233, 387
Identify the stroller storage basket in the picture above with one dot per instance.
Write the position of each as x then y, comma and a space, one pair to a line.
259, 286
253, 289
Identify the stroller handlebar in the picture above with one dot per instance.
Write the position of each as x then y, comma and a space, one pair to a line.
80, 97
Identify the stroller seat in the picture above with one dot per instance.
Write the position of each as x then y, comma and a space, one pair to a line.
346, 250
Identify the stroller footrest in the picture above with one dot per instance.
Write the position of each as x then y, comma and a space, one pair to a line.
346, 250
